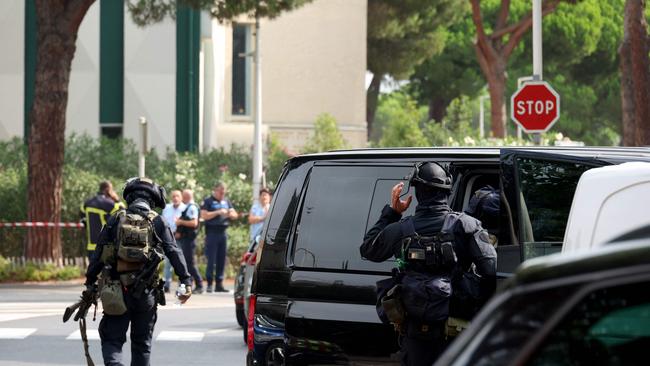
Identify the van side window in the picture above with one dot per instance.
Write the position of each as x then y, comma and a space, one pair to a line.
341, 202
608, 327
546, 190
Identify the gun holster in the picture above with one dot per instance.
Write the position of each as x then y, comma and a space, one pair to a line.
393, 306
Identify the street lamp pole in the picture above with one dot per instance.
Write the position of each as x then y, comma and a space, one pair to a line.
257, 142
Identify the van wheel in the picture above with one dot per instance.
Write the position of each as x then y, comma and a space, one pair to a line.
275, 355
245, 328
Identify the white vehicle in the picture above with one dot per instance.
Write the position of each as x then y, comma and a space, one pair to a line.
609, 202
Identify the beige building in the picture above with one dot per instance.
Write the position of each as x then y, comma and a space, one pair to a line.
193, 78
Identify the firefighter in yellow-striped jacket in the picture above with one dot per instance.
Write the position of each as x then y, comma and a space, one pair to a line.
96, 210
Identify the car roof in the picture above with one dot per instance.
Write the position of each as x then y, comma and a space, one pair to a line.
617, 153
623, 254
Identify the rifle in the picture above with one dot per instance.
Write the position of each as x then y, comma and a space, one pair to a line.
144, 278
88, 299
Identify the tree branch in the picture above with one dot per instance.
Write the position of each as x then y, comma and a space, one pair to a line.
482, 40
527, 21
75, 12
502, 19
523, 27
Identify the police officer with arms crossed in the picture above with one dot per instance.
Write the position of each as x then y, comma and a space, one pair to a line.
428, 263
130, 247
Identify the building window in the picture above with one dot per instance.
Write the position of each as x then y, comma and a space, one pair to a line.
241, 70
112, 131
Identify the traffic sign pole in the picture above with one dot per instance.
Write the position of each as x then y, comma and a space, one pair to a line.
537, 40
537, 51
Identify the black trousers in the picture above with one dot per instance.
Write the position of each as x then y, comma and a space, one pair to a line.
141, 314
188, 246
422, 344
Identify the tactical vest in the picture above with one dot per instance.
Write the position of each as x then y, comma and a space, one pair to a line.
187, 232
428, 254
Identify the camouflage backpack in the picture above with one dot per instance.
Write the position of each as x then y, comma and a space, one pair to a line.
135, 240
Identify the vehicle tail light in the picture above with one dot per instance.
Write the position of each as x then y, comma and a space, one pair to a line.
252, 259
245, 257
251, 316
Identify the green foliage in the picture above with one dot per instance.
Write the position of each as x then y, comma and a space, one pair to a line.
144, 12
326, 136
402, 34
400, 119
89, 161
37, 272
276, 157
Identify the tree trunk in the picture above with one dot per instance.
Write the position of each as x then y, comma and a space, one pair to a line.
372, 95
497, 89
635, 76
438, 108
57, 26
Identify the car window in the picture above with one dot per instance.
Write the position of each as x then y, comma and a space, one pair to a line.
340, 204
608, 327
546, 190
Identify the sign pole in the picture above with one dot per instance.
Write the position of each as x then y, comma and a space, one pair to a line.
537, 51
143, 146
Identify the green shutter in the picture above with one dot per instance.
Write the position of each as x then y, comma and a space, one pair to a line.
30, 63
188, 46
111, 61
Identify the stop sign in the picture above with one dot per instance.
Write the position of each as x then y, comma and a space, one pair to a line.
535, 107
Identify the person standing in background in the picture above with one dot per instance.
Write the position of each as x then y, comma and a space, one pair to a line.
216, 211
170, 213
187, 228
258, 212
96, 211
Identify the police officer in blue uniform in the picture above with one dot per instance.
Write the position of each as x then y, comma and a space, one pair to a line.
217, 212
422, 341
141, 296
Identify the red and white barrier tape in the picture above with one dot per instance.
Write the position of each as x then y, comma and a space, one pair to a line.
42, 224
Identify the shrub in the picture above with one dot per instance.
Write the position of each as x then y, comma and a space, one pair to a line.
37, 272
326, 135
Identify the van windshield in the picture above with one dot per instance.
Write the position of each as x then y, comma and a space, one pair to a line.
341, 204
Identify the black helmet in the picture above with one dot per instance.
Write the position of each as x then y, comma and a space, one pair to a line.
144, 188
430, 174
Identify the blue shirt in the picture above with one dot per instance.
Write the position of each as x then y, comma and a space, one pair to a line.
220, 222
171, 213
256, 210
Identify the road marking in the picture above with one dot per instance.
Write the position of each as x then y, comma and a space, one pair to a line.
93, 334
175, 336
16, 333
221, 330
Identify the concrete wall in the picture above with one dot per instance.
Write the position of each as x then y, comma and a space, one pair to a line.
82, 113
313, 61
150, 81
12, 39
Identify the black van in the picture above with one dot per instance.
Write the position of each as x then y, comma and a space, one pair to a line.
313, 296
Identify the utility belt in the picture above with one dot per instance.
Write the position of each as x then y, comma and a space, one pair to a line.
134, 278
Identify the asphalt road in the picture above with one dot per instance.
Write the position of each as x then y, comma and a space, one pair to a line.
202, 332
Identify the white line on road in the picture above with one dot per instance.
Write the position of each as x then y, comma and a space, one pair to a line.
175, 336
16, 333
93, 334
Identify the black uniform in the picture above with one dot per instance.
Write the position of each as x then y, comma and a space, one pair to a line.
423, 343
141, 312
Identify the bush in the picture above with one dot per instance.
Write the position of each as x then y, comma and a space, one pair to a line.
326, 136
37, 272
89, 161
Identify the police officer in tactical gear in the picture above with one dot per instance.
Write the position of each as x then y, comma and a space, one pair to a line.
138, 287
422, 340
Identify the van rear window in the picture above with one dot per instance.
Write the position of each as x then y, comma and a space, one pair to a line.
341, 203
